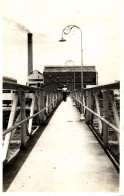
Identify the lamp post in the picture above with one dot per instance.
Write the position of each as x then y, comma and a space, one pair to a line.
66, 31
66, 63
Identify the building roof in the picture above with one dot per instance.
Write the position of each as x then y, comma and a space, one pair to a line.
36, 71
64, 68
52, 85
52, 81
9, 79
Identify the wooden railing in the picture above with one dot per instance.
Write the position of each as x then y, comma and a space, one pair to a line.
102, 114
24, 111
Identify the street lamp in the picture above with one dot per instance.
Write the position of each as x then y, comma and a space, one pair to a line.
66, 31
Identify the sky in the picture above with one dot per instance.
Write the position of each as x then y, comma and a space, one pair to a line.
99, 21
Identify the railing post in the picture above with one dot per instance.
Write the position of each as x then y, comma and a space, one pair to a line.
115, 112
78, 98
38, 104
47, 103
59, 97
56, 96
98, 112
88, 103
106, 96
31, 113
23, 116
42, 98
50, 100
114, 109
5, 148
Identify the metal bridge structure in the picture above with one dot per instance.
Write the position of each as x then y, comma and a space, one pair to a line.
80, 156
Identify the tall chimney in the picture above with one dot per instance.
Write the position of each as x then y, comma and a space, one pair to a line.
30, 54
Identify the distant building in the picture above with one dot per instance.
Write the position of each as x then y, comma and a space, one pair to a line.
9, 79
7, 95
65, 75
35, 79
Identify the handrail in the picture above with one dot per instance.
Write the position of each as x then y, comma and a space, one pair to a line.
19, 123
16, 86
40, 102
101, 105
114, 85
100, 117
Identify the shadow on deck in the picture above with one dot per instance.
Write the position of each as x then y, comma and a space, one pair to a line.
67, 158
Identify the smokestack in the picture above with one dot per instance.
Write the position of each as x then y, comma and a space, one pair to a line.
30, 54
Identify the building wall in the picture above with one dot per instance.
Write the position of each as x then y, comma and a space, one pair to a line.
68, 78
35, 79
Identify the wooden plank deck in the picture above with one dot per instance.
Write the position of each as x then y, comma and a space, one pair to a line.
66, 158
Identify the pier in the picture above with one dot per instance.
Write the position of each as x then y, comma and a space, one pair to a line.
68, 155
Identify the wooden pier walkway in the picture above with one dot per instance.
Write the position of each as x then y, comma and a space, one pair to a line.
66, 158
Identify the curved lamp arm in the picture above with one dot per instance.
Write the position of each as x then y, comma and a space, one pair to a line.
68, 28
69, 61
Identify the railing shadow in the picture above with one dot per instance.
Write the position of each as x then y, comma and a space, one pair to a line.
101, 106
12, 168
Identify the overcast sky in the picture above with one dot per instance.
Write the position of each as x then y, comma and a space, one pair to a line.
99, 21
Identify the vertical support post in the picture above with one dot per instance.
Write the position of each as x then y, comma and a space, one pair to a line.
53, 98
38, 104
74, 96
31, 113
115, 112
47, 104
80, 106
10, 124
56, 96
106, 96
92, 106
98, 112
78, 98
42, 99
23, 116
82, 80
89, 105
50, 99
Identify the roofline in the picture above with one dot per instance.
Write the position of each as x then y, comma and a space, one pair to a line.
52, 81
50, 68
68, 66
36, 70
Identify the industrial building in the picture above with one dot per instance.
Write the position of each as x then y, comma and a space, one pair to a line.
35, 79
70, 74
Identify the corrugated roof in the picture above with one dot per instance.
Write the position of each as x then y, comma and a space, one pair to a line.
63, 68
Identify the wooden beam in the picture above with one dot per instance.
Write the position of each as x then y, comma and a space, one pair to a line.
114, 109
115, 112
98, 112
31, 113
89, 105
23, 116
47, 103
10, 124
106, 98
